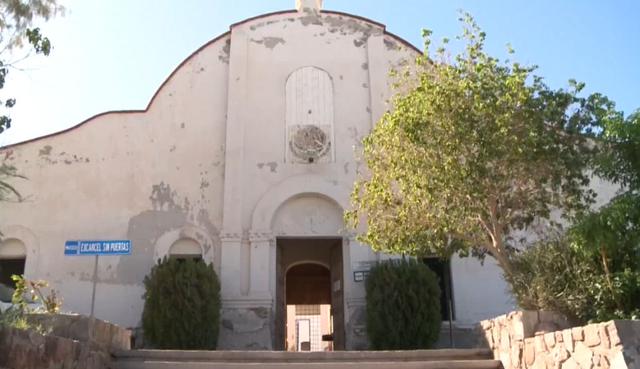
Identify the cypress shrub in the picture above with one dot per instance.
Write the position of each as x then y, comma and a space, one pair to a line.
403, 306
182, 305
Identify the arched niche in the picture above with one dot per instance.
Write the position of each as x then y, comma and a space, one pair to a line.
309, 116
186, 248
308, 215
12, 248
188, 240
308, 185
18, 240
13, 258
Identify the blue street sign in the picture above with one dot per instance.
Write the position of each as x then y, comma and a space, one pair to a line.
111, 247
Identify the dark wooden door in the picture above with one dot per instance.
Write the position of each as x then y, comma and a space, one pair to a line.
337, 296
281, 305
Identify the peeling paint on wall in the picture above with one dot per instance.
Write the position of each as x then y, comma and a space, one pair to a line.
8, 154
273, 166
47, 156
391, 44
269, 42
262, 24
311, 18
359, 42
204, 220
46, 150
204, 184
162, 197
223, 56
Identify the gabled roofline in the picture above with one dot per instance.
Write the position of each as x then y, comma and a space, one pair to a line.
335, 12
213, 41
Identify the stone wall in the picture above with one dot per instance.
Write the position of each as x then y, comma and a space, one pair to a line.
68, 345
78, 327
531, 339
246, 329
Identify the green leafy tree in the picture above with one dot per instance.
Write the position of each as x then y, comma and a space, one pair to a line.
473, 150
610, 235
19, 40
589, 273
182, 305
592, 272
16, 32
618, 159
403, 306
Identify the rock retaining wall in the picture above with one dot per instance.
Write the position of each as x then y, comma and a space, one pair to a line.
544, 340
67, 346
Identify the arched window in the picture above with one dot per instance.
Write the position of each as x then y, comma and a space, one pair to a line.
13, 256
309, 116
185, 248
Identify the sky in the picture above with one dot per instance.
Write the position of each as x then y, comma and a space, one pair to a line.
114, 54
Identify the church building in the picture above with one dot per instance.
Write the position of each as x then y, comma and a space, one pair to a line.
245, 157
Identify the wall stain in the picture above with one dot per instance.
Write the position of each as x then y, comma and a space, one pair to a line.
143, 231
145, 228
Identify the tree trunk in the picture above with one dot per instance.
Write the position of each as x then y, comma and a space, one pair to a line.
607, 273
499, 253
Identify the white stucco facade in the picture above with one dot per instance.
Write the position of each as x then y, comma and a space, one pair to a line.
223, 156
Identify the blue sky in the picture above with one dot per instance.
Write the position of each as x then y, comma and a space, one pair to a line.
114, 54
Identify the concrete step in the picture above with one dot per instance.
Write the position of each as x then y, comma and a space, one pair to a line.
304, 357
444, 364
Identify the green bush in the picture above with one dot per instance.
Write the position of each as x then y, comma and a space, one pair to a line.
182, 305
403, 306
554, 275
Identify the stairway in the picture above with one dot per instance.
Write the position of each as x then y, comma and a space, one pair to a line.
417, 359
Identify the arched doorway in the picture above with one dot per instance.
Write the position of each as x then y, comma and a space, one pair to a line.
307, 226
13, 257
309, 294
308, 299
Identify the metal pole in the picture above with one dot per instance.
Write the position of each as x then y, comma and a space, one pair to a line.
95, 282
447, 289
92, 318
